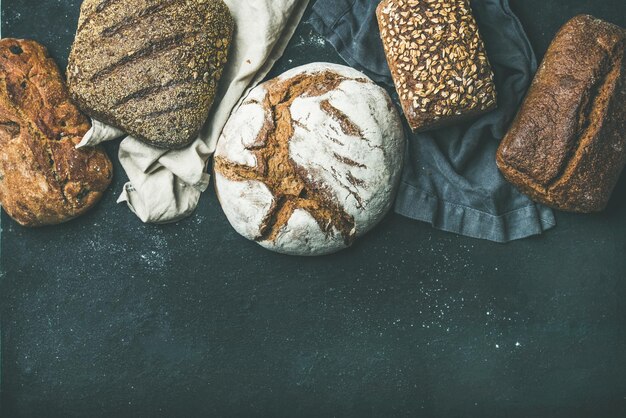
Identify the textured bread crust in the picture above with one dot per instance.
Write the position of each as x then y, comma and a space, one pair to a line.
567, 146
437, 59
150, 67
310, 161
44, 179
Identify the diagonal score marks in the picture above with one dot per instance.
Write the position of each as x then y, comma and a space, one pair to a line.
291, 186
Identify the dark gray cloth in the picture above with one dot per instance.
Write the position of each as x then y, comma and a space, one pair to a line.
450, 177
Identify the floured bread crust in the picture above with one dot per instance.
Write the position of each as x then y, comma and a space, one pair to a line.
310, 161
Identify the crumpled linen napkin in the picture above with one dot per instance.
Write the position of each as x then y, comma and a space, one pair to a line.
165, 186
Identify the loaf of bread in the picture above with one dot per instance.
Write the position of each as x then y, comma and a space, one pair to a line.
310, 161
437, 60
44, 179
567, 146
150, 67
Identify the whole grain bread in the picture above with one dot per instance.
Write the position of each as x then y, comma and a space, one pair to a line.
567, 146
44, 179
437, 60
150, 67
311, 160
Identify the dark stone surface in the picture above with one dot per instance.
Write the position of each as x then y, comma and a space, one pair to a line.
105, 316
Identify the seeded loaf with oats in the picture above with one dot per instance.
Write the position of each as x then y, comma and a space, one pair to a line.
150, 67
310, 161
437, 60
44, 179
567, 146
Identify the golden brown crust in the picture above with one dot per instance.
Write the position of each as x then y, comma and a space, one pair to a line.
150, 67
567, 146
44, 180
437, 59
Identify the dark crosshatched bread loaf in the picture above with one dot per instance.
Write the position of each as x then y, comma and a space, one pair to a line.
150, 67
44, 179
567, 146
437, 59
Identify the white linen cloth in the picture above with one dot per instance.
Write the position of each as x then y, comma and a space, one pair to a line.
165, 186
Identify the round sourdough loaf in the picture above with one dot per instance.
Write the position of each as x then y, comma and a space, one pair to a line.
310, 160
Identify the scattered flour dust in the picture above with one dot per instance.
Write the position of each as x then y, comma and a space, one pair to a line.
155, 256
311, 40
447, 299
153, 253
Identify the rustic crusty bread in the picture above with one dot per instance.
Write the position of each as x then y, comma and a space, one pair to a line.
310, 161
437, 60
150, 67
44, 179
567, 146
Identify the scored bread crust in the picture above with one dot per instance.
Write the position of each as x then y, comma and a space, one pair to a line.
310, 161
44, 179
437, 60
567, 146
150, 67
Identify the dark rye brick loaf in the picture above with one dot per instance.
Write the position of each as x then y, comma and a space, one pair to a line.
44, 179
567, 146
150, 67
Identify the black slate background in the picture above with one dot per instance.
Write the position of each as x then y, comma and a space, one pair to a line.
105, 316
